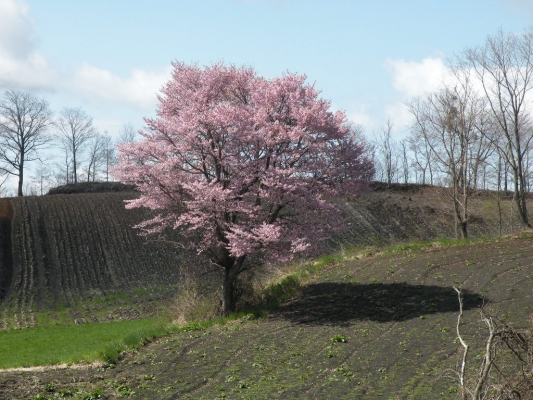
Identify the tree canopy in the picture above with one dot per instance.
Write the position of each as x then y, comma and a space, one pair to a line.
249, 168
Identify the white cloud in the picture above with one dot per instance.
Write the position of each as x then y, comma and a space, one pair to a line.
400, 116
360, 115
30, 73
138, 89
520, 7
15, 29
23, 67
415, 78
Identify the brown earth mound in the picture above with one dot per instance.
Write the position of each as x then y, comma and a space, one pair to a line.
92, 187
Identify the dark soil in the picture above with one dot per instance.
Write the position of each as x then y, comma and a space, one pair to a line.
92, 187
79, 250
380, 327
6, 257
70, 250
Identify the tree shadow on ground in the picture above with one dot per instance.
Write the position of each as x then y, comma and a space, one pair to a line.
344, 303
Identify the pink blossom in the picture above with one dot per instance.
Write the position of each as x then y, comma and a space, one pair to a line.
243, 165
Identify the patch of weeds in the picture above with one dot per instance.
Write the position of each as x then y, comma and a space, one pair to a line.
453, 389
341, 368
330, 379
282, 291
364, 332
94, 395
42, 396
348, 376
67, 392
124, 390
243, 385
50, 387
339, 339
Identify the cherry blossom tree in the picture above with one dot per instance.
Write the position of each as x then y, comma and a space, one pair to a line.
251, 170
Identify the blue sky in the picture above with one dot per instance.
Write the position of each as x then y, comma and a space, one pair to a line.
368, 57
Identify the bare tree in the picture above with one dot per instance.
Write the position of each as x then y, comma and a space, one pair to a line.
41, 175
448, 123
504, 67
62, 171
387, 153
127, 133
422, 156
109, 154
24, 126
404, 148
75, 130
3, 179
95, 156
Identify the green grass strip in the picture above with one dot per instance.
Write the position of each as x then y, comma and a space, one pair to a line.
72, 344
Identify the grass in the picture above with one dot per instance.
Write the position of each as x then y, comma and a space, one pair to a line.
72, 344
68, 344
88, 343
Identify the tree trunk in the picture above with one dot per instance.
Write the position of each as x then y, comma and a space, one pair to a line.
520, 198
231, 271
74, 166
228, 301
464, 229
21, 176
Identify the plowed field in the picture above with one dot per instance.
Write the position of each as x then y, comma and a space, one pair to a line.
382, 327
78, 258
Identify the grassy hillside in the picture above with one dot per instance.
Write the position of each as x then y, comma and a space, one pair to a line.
373, 327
